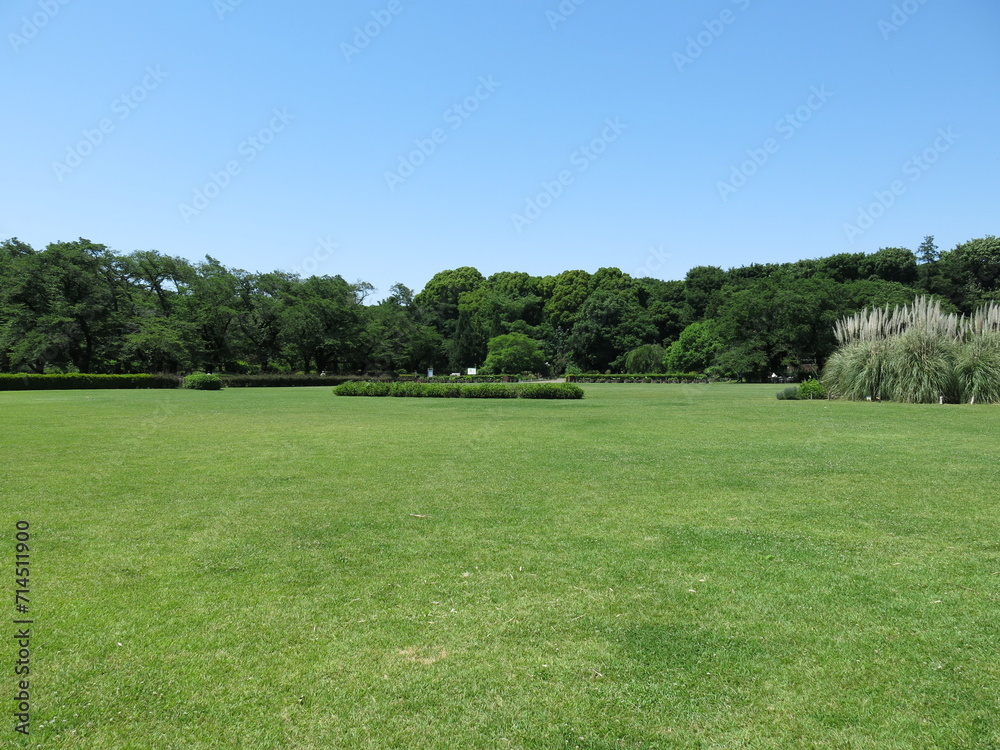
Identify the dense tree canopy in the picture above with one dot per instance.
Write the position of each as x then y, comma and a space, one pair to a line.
79, 306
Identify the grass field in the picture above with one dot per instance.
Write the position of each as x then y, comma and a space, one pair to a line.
656, 566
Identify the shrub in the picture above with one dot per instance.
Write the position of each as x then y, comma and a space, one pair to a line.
667, 377
812, 388
977, 366
549, 390
646, 358
442, 390
917, 354
203, 382
791, 393
79, 381
409, 389
363, 388
281, 380
453, 390
513, 352
488, 390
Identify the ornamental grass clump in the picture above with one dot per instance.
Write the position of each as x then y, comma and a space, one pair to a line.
917, 354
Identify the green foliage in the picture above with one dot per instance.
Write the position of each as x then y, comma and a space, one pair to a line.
788, 394
610, 323
549, 390
646, 358
977, 367
77, 381
280, 380
407, 389
921, 367
364, 388
201, 381
891, 264
79, 306
668, 377
695, 349
917, 354
489, 390
513, 352
811, 388
454, 390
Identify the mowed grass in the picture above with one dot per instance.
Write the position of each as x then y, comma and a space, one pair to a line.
656, 566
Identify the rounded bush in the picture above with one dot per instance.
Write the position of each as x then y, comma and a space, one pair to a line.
203, 382
812, 388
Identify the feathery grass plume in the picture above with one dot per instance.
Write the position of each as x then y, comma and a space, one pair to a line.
858, 370
917, 353
922, 366
977, 366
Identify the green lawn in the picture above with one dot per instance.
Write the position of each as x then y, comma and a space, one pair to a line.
655, 566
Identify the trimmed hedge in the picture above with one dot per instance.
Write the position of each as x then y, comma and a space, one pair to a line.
203, 382
549, 390
453, 390
79, 381
463, 378
286, 381
668, 377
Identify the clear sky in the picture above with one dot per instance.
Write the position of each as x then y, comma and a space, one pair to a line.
388, 140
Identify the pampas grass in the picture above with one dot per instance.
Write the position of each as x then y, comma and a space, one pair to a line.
917, 354
977, 367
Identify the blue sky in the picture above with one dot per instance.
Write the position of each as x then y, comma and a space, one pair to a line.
389, 140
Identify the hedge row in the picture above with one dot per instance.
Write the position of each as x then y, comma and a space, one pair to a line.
201, 381
669, 377
454, 390
460, 379
75, 381
29, 382
285, 381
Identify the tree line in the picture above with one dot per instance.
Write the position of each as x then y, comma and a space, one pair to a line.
81, 307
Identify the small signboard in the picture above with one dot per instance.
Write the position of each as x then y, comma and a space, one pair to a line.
430, 372
470, 371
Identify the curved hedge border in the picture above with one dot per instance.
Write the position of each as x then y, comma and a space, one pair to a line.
454, 390
669, 377
77, 381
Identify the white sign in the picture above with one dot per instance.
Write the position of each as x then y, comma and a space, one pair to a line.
470, 371
430, 372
